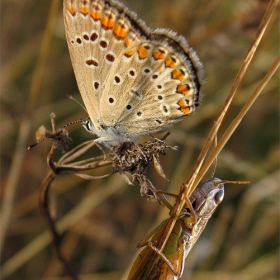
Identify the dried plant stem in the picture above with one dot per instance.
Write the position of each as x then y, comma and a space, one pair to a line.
45, 210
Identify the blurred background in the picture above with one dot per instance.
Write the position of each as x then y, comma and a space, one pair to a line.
105, 219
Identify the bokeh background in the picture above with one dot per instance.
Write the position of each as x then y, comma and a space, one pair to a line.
106, 219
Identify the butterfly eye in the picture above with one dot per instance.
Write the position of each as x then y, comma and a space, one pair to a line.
87, 124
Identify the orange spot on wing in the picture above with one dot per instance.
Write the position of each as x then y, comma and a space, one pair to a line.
184, 108
120, 31
71, 10
84, 10
129, 53
143, 52
177, 74
108, 22
96, 15
128, 43
158, 55
184, 89
170, 63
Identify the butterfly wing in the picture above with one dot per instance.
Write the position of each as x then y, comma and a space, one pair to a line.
152, 84
132, 80
97, 32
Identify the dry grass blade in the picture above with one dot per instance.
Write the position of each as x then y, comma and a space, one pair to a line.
232, 127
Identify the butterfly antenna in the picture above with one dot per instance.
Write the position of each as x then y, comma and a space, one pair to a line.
35, 144
70, 123
59, 135
74, 99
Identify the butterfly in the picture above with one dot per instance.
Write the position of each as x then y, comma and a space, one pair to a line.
133, 80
